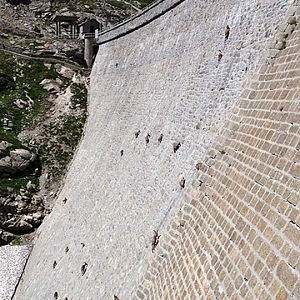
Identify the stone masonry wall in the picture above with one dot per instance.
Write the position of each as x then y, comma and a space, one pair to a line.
161, 80
237, 232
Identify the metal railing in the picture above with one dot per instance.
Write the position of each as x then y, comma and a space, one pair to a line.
66, 36
89, 35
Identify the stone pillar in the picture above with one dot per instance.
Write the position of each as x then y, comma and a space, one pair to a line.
88, 51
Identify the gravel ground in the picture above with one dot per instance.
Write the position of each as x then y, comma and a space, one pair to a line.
12, 261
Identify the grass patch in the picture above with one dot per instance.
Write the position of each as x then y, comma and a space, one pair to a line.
79, 95
119, 4
74, 5
145, 3
24, 86
62, 137
12, 185
24, 77
17, 241
10, 137
60, 142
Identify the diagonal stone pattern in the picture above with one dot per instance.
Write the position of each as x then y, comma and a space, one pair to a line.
240, 237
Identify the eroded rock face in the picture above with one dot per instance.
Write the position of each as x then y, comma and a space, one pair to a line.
20, 213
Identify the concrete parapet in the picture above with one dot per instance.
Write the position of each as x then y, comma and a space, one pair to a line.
89, 51
138, 21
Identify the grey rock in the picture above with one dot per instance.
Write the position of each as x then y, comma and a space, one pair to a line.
4, 145
36, 200
5, 237
12, 206
6, 165
20, 103
30, 186
37, 216
18, 161
20, 154
22, 205
18, 198
51, 85
21, 226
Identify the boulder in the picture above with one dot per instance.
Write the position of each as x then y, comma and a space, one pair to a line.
37, 200
18, 225
36, 219
6, 166
5, 237
65, 72
18, 162
4, 145
30, 186
50, 85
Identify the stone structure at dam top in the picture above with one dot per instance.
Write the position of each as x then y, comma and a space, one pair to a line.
205, 152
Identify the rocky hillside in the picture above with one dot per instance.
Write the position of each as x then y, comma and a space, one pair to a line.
42, 113
28, 26
43, 101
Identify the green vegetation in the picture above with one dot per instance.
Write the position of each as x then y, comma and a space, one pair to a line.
118, 4
24, 78
61, 137
75, 5
122, 9
79, 96
145, 3
18, 240
9, 186
22, 85
9, 137
58, 138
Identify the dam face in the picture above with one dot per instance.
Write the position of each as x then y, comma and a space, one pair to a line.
205, 152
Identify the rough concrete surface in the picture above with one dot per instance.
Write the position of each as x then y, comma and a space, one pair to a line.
163, 78
12, 261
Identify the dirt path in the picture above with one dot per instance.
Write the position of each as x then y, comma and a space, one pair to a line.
55, 60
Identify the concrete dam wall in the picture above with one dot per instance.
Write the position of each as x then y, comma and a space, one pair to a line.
205, 152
